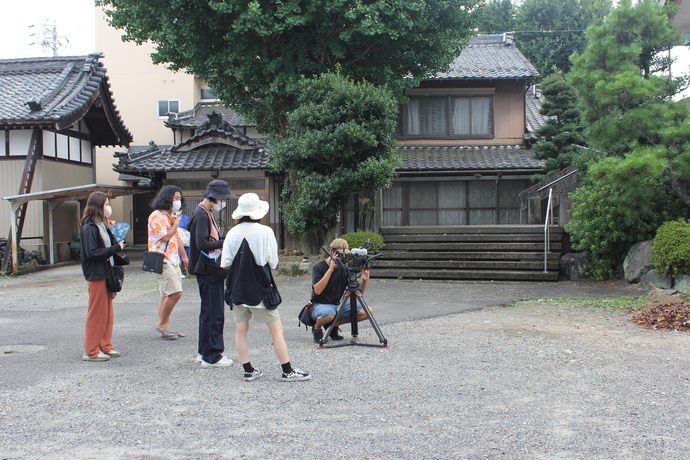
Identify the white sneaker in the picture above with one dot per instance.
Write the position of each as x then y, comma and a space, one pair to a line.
297, 375
101, 357
199, 358
223, 362
249, 376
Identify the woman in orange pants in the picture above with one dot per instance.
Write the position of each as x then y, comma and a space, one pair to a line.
98, 245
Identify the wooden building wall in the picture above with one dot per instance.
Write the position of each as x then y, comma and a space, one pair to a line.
49, 175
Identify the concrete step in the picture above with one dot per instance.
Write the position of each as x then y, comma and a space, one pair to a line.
466, 265
469, 252
469, 229
485, 246
428, 274
471, 237
468, 255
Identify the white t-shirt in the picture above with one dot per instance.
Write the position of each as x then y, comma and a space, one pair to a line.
262, 242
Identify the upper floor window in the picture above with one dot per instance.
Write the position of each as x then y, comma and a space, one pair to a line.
166, 106
450, 116
206, 94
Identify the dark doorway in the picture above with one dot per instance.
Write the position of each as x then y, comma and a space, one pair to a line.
142, 210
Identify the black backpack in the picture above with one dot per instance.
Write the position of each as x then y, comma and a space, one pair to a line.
304, 316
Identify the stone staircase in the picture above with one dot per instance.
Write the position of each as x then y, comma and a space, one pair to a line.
469, 252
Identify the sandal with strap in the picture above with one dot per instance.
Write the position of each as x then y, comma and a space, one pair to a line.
167, 334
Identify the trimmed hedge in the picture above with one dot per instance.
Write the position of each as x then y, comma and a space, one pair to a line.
360, 237
671, 250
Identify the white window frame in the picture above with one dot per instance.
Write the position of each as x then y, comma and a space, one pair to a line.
167, 101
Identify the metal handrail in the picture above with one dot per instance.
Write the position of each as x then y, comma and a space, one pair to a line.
547, 229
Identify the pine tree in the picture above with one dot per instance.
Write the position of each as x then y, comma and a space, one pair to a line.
561, 137
640, 135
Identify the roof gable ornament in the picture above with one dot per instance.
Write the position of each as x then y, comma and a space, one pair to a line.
216, 131
193, 119
215, 122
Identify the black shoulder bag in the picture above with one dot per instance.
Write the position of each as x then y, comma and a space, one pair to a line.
153, 261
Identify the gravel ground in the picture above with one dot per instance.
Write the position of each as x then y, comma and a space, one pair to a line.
474, 371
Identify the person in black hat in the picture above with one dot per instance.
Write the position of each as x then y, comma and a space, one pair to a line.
205, 247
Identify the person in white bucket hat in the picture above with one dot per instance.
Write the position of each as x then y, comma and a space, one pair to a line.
249, 205
249, 281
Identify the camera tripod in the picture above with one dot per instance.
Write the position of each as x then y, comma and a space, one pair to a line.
354, 295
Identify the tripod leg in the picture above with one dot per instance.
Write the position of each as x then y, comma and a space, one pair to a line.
327, 332
354, 324
373, 322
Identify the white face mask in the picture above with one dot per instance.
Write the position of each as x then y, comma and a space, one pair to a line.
177, 205
107, 211
218, 206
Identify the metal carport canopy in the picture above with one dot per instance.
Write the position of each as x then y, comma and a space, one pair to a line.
54, 199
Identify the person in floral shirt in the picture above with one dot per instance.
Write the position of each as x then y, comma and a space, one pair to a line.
164, 237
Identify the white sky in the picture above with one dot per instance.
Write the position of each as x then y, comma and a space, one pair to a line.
74, 20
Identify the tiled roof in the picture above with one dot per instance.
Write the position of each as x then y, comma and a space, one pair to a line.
207, 158
467, 158
490, 56
194, 118
533, 102
215, 146
57, 92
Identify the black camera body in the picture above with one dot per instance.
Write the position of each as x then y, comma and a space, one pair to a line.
356, 260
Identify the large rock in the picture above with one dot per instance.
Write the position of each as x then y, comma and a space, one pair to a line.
573, 266
682, 284
652, 279
638, 261
295, 268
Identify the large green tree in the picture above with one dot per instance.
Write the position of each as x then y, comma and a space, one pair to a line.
622, 78
339, 142
639, 135
549, 31
498, 16
254, 53
546, 31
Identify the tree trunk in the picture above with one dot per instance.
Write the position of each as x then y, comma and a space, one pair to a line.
677, 187
309, 243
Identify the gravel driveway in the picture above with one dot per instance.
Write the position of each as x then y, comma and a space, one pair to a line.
474, 371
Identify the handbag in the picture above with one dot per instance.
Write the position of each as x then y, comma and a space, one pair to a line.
304, 316
184, 236
273, 298
216, 272
121, 259
115, 279
153, 261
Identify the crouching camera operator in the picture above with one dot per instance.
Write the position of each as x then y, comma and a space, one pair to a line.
329, 282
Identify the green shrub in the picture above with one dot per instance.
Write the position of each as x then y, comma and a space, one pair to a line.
671, 250
605, 231
360, 237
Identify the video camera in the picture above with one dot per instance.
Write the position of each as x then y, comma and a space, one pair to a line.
356, 260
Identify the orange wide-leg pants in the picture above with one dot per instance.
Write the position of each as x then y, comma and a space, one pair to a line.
98, 330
